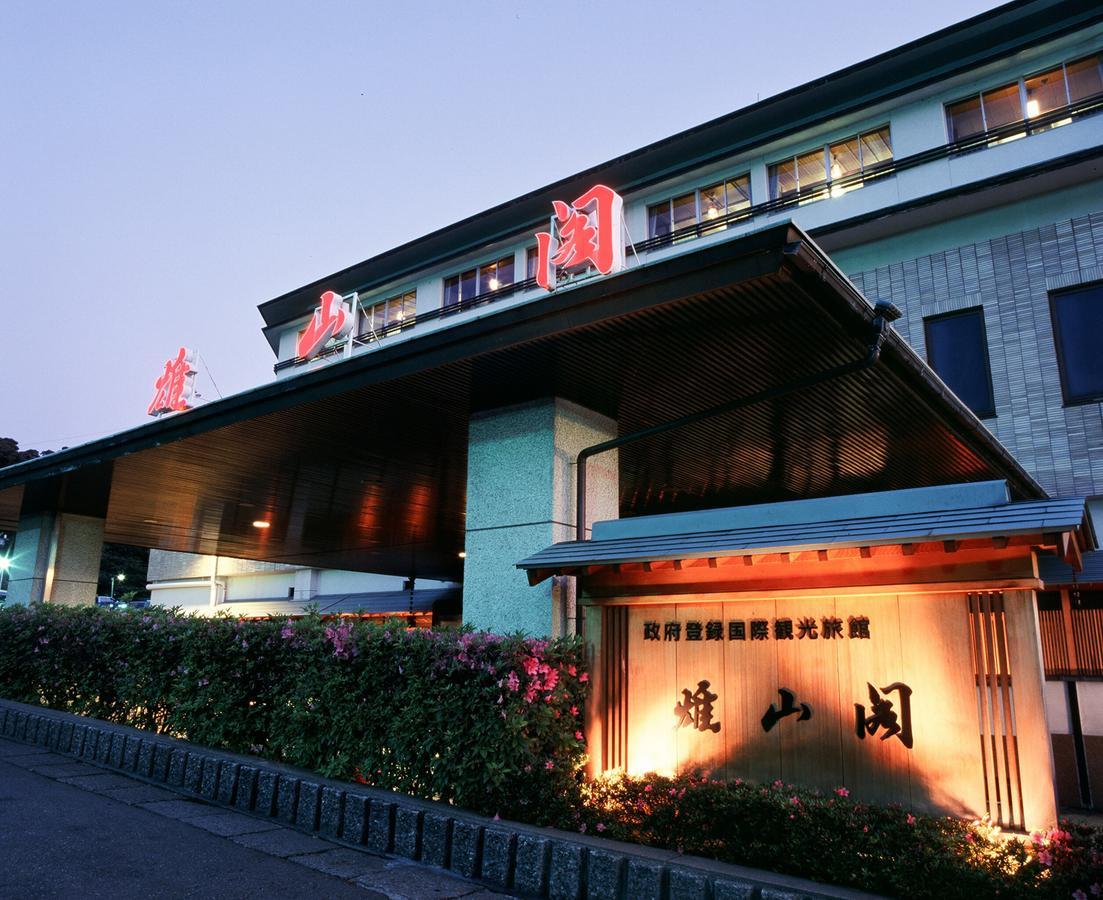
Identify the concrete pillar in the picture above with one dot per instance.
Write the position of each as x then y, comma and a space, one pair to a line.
520, 499
56, 559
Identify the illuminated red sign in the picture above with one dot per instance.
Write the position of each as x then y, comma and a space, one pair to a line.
174, 389
587, 232
332, 318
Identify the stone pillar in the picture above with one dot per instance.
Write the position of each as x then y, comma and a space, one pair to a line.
520, 499
56, 559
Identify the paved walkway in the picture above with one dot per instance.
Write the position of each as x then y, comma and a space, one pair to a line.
72, 829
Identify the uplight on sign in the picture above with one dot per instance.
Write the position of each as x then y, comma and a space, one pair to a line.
332, 318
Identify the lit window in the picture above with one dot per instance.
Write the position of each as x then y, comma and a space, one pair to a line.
476, 282
709, 206
957, 349
389, 315
532, 260
1024, 100
831, 169
1077, 324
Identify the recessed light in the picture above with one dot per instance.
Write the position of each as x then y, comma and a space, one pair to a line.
260, 523
462, 554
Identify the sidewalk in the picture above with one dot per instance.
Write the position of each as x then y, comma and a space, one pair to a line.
74, 829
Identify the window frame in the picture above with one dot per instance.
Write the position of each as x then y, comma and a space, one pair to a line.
988, 412
701, 228
820, 190
1024, 119
478, 269
1054, 296
366, 332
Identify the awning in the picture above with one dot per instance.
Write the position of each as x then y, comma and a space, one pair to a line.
362, 464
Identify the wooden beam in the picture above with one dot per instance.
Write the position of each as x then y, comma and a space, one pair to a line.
907, 549
748, 560
1066, 618
677, 565
865, 552
821, 555
712, 562
951, 546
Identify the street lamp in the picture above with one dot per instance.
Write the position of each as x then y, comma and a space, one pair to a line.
121, 577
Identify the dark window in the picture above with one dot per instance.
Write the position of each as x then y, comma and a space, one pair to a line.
957, 349
1077, 325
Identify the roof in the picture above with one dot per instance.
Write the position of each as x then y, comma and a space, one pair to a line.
1001, 520
362, 464
974, 42
1055, 572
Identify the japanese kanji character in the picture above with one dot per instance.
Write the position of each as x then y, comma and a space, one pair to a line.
832, 628
672, 631
788, 707
737, 631
693, 631
173, 390
586, 232
806, 628
783, 629
696, 709
714, 631
859, 627
883, 716
650, 631
760, 630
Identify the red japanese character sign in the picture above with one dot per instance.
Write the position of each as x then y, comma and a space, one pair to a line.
174, 389
332, 318
588, 232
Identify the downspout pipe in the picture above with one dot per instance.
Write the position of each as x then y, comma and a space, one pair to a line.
884, 314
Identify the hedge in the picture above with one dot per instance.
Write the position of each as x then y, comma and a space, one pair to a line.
493, 724
490, 723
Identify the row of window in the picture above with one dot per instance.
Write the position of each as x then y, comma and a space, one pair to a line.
831, 163
1025, 99
700, 206
957, 349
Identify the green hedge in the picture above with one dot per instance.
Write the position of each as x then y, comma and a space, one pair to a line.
490, 723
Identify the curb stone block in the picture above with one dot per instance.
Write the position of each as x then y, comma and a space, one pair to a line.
530, 874
21, 726
118, 748
65, 738
436, 840
605, 875
466, 848
267, 782
329, 822
686, 885
53, 735
6, 717
354, 822
162, 754
565, 874
733, 890
246, 789
88, 751
782, 894
498, 850
208, 784
76, 746
130, 752
287, 797
381, 826
310, 798
178, 762
645, 880
407, 832
193, 773
36, 730
103, 746
227, 781
145, 758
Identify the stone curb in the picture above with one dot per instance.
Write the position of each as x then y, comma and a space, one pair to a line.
526, 860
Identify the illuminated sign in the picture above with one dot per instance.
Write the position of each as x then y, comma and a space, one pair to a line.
332, 318
174, 390
587, 232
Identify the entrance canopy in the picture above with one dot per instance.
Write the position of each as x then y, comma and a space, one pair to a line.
362, 464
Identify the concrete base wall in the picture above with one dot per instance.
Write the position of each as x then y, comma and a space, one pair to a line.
520, 499
56, 559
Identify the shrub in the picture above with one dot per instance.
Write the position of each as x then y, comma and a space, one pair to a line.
488, 722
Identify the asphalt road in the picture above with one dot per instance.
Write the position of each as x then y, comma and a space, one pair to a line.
71, 829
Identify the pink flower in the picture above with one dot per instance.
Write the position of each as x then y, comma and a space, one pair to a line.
795, 801
1045, 858
1079, 895
578, 735
910, 819
584, 677
531, 664
582, 828
647, 789
842, 792
203, 682
549, 765
600, 826
513, 682
571, 670
287, 632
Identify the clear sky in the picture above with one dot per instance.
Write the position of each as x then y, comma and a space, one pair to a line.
166, 166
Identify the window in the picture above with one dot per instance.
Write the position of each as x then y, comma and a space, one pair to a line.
1077, 325
389, 314
708, 204
1026, 99
480, 280
832, 167
532, 260
957, 349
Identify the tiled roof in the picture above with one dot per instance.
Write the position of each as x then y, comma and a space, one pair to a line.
1031, 517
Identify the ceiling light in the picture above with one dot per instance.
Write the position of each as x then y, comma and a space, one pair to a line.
260, 523
1032, 108
462, 554
494, 284
5, 563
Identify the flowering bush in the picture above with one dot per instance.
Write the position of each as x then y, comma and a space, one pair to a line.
488, 722
833, 838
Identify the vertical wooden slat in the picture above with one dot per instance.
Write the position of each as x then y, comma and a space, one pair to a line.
1010, 736
991, 703
1066, 621
976, 624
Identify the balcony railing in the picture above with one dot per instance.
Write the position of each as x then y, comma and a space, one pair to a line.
821, 191
1072, 646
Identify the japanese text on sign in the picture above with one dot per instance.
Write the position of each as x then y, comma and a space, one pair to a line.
808, 628
587, 232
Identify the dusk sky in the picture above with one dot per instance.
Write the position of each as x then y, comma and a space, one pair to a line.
168, 166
